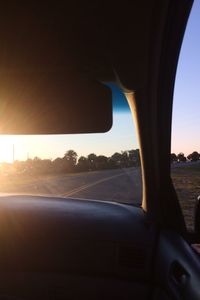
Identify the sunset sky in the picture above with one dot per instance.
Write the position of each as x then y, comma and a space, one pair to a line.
186, 110
186, 115
120, 137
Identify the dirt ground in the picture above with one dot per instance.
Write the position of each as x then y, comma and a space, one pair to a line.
186, 179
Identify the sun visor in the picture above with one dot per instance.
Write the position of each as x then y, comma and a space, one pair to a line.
38, 102
48, 84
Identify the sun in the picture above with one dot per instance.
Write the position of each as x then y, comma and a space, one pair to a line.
22, 147
7, 149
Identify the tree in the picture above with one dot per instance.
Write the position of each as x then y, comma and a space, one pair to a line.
92, 160
46, 166
70, 157
69, 163
59, 165
181, 157
102, 162
124, 159
173, 157
137, 157
20, 167
83, 163
134, 157
194, 156
116, 159
131, 157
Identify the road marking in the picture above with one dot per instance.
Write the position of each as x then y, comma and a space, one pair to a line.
86, 186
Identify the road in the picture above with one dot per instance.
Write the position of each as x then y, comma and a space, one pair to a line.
121, 185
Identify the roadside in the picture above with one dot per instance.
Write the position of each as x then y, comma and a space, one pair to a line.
186, 179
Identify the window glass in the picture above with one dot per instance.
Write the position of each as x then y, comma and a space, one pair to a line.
104, 166
185, 157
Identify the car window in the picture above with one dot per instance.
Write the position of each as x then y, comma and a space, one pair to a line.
185, 150
103, 166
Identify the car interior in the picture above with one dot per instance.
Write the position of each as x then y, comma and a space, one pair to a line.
65, 248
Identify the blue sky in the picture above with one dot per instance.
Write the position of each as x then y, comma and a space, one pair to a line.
186, 115
186, 108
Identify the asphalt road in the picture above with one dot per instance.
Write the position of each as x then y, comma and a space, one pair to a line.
121, 185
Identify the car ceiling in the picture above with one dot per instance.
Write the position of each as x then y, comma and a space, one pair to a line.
99, 38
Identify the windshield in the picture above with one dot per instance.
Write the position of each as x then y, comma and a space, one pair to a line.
103, 166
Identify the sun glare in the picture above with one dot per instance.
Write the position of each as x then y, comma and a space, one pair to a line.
12, 148
7, 149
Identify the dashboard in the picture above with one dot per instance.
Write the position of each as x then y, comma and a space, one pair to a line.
69, 248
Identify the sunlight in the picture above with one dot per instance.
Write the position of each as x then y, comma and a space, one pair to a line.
6, 148
12, 148
120, 137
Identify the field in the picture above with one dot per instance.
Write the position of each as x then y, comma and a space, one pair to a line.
186, 179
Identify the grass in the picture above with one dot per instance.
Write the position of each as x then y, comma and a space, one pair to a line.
186, 179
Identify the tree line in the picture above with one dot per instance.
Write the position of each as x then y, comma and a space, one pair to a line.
70, 163
194, 156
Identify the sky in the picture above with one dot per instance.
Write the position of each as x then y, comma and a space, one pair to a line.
186, 108
52, 146
120, 137
185, 125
